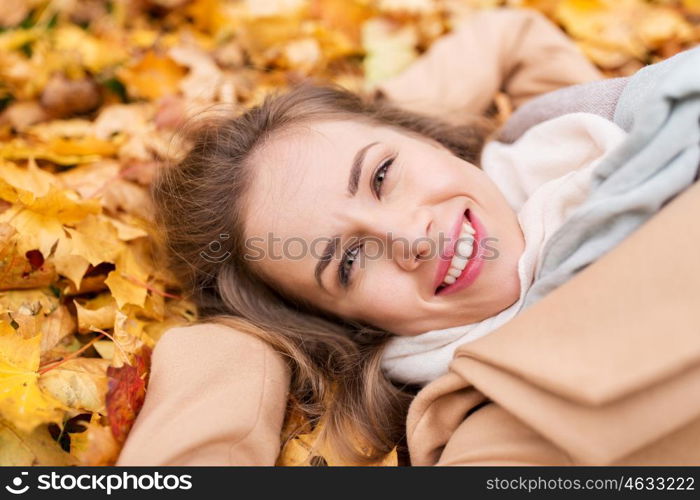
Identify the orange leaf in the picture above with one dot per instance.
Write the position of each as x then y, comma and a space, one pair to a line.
126, 393
152, 77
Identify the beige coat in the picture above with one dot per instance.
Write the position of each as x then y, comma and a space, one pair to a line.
605, 370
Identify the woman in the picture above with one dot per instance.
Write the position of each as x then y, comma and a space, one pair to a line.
328, 342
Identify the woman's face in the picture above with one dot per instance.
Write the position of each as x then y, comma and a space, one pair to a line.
394, 204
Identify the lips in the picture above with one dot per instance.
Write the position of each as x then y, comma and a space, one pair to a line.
450, 249
474, 263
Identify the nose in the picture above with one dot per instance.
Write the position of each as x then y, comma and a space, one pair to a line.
406, 234
409, 254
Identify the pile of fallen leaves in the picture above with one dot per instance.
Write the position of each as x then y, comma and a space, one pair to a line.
91, 92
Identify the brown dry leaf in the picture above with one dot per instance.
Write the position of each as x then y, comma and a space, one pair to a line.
65, 348
65, 97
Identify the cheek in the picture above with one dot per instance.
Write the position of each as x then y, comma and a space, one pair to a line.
386, 293
441, 174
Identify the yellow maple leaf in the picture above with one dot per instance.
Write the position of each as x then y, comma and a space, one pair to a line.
128, 282
20, 448
40, 222
22, 402
95, 238
24, 185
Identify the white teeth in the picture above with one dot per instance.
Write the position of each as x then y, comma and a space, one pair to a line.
454, 272
458, 262
465, 245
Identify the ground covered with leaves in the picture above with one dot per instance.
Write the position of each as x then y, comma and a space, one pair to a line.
91, 92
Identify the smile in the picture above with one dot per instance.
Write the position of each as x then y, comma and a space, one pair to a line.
461, 264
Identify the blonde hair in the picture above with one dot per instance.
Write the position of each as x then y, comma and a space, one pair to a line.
335, 364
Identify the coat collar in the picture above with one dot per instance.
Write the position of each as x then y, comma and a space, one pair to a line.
609, 361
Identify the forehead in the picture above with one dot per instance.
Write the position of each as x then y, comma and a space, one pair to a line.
302, 170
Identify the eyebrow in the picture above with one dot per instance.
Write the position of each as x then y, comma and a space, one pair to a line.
356, 169
353, 184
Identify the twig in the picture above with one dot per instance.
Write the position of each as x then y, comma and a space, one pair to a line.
47, 366
121, 349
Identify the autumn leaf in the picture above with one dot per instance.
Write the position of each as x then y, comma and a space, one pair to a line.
153, 76
126, 393
25, 448
80, 383
17, 270
37, 312
128, 281
95, 446
23, 402
97, 312
91, 94
40, 221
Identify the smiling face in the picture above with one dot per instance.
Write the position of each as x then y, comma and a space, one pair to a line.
395, 204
